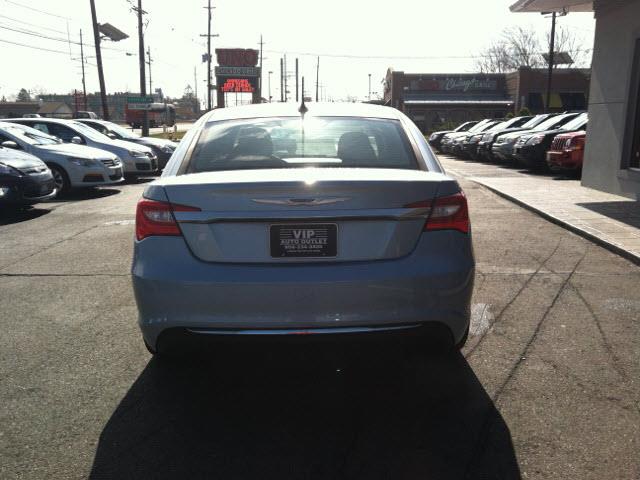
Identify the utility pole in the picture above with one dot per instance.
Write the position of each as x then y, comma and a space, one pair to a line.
270, 72
260, 81
141, 62
84, 85
96, 40
208, 35
317, 77
149, 63
195, 82
286, 74
550, 70
369, 97
297, 96
281, 80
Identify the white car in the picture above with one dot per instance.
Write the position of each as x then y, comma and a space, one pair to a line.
72, 165
137, 159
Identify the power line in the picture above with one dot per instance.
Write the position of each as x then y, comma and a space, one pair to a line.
32, 24
56, 39
36, 10
35, 48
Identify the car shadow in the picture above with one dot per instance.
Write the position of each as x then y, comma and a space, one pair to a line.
278, 411
625, 211
85, 194
9, 216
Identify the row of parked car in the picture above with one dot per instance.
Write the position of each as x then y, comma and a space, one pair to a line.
42, 157
550, 141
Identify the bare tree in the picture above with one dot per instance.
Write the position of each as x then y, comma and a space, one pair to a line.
520, 47
566, 41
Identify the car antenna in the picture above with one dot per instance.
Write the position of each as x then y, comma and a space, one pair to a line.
303, 108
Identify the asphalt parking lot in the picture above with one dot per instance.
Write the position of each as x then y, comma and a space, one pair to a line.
546, 388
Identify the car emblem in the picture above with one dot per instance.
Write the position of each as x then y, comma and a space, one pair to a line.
300, 201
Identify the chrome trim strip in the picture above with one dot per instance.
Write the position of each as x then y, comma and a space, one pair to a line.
306, 216
301, 331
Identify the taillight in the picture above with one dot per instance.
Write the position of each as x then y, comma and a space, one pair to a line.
446, 213
156, 218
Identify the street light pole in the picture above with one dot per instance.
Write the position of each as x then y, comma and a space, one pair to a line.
550, 70
369, 97
270, 72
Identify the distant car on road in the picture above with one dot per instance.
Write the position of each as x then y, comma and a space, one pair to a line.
530, 150
163, 149
357, 230
567, 151
73, 166
85, 114
24, 180
436, 137
136, 159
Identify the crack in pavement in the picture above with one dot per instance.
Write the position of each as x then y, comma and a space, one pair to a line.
484, 432
515, 297
48, 247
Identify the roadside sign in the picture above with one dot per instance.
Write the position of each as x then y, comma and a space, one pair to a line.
139, 99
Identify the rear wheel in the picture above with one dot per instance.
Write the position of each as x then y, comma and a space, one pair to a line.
463, 340
61, 179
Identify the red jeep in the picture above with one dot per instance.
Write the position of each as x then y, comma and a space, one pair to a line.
566, 152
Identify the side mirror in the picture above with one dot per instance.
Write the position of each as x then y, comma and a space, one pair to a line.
77, 140
10, 144
112, 136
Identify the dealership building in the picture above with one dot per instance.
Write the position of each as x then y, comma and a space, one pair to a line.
612, 152
432, 99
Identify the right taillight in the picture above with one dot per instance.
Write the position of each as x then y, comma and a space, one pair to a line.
156, 218
446, 213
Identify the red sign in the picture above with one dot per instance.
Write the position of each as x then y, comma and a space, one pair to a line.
237, 57
239, 85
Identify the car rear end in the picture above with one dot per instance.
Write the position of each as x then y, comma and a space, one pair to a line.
327, 245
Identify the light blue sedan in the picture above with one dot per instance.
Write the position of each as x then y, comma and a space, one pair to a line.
269, 221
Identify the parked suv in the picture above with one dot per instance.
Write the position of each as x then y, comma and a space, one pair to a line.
530, 150
567, 151
448, 139
483, 146
137, 159
503, 147
163, 149
72, 165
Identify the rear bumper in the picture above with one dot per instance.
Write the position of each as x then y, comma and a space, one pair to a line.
174, 290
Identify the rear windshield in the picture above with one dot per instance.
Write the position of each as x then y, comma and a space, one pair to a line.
294, 143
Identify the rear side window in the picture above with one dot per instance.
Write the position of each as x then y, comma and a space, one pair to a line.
295, 142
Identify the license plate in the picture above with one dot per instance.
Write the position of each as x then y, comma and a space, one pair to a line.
304, 240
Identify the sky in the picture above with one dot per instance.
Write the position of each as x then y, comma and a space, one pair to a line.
353, 38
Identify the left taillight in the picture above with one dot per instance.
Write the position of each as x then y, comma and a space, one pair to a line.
155, 218
446, 213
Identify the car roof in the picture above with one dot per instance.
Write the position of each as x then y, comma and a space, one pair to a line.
63, 121
338, 109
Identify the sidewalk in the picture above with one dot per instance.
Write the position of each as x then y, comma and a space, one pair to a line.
609, 220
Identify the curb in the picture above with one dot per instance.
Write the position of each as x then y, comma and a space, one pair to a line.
612, 247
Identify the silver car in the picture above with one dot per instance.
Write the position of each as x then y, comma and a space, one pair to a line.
343, 222
136, 159
72, 166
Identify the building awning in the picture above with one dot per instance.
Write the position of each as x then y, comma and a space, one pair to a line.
459, 102
552, 6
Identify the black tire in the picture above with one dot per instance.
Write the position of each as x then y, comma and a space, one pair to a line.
460, 345
63, 184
